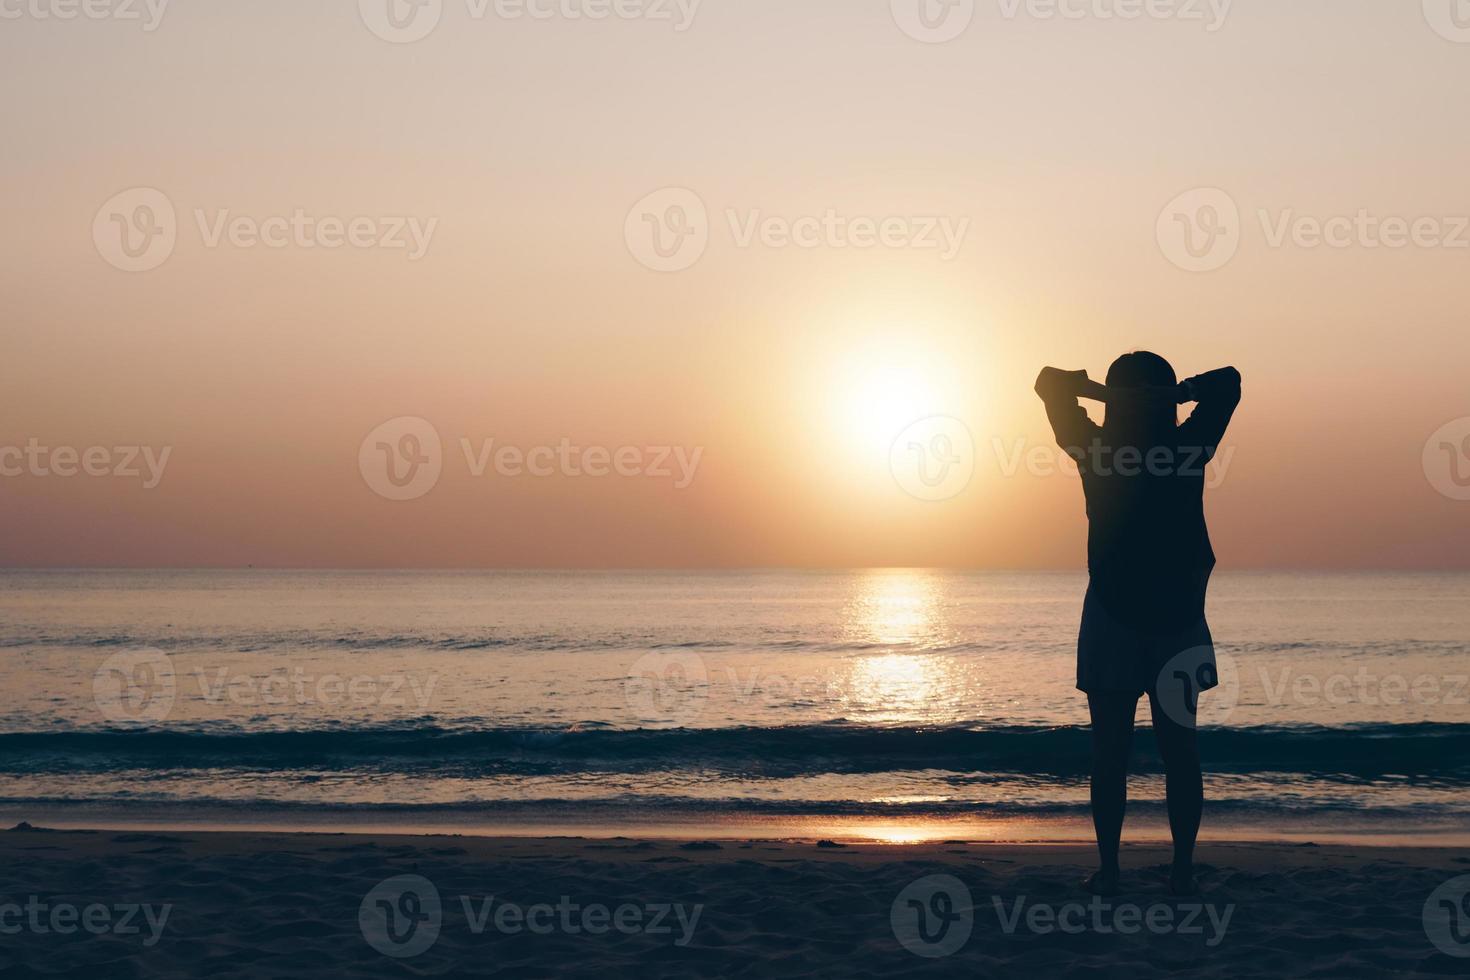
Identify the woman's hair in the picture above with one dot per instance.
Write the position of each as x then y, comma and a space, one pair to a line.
1144, 424
1141, 369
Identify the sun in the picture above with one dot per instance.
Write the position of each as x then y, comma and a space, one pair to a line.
880, 392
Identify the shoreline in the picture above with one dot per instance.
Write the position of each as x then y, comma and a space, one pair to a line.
675, 837
1146, 828
1247, 852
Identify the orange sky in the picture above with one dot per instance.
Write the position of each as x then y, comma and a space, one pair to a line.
531, 316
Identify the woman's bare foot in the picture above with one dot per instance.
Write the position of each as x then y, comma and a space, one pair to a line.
1103, 882
1181, 881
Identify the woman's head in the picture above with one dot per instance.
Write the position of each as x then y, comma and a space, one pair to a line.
1141, 369
1145, 421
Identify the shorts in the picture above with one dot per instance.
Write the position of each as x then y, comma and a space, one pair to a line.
1114, 658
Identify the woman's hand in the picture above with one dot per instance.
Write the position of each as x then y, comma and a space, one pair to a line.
1056, 383
1142, 395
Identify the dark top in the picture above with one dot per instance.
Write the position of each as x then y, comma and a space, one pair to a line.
1143, 476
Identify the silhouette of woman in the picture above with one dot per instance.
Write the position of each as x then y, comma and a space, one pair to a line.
1149, 561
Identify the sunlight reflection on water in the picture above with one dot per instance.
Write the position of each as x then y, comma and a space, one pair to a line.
899, 608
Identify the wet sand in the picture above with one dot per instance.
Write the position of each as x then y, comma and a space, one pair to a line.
89, 904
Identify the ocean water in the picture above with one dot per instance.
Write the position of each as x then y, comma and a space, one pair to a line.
898, 702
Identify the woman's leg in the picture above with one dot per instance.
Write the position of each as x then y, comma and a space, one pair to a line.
1186, 792
1112, 741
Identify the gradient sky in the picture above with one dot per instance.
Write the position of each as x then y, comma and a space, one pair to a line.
529, 319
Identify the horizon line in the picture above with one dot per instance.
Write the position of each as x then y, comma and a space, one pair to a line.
1355, 569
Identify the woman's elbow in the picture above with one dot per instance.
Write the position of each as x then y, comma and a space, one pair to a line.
1232, 379
1230, 385
1046, 382
1225, 380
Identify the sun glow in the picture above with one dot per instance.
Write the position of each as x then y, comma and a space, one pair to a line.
881, 402
881, 390
905, 833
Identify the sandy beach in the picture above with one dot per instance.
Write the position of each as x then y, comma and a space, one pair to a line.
152, 904
737, 490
